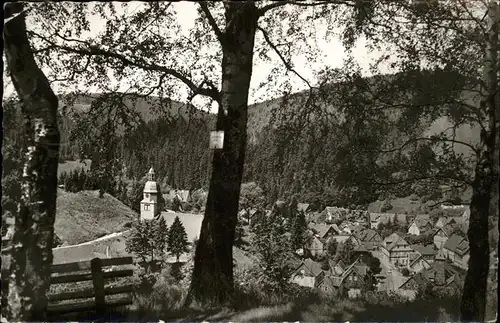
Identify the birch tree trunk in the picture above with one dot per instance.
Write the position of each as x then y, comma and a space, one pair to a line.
34, 224
485, 187
212, 279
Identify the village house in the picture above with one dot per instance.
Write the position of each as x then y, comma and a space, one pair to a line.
331, 285
427, 252
422, 258
396, 250
371, 239
308, 274
303, 207
361, 251
383, 218
418, 263
334, 214
420, 224
343, 238
350, 282
456, 249
440, 274
336, 268
441, 235
441, 222
314, 246
346, 227
182, 195
324, 231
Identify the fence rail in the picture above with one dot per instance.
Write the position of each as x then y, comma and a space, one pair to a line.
94, 270
99, 292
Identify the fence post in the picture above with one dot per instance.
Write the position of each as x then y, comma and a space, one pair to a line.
98, 281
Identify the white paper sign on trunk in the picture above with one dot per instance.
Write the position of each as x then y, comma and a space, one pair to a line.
216, 139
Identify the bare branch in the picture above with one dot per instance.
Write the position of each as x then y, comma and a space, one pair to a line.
414, 140
93, 50
44, 49
73, 73
220, 35
287, 64
277, 4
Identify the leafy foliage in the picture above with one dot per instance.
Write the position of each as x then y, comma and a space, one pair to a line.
273, 252
239, 233
299, 229
332, 247
148, 239
251, 196
13, 140
346, 252
78, 180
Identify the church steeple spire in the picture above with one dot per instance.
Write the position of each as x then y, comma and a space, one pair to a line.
151, 174
149, 203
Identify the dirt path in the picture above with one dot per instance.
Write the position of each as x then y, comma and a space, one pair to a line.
106, 237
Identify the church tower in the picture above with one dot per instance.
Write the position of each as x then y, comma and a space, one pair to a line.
149, 203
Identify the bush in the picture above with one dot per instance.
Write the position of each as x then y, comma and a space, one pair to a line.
186, 206
157, 295
405, 272
251, 292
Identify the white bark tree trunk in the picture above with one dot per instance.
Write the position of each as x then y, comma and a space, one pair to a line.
34, 224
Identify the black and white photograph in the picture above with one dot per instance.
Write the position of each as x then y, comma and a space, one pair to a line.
250, 161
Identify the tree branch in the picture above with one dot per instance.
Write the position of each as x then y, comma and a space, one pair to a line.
94, 50
287, 64
73, 73
413, 140
211, 20
277, 4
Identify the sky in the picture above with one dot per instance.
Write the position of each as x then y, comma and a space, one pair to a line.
332, 54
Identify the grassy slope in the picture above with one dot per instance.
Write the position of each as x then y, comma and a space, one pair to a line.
83, 216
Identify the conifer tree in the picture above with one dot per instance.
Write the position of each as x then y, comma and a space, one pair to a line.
137, 242
332, 246
299, 230
160, 235
347, 252
177, 239
273, 252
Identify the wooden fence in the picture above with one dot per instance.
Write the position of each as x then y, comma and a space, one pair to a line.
95, 271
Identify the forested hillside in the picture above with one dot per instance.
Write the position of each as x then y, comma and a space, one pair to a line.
336, 145
311, 146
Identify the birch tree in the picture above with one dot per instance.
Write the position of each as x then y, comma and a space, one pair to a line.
34, 222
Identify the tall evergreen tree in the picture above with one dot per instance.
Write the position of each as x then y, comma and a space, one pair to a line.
299, 229
177, 239
160, 236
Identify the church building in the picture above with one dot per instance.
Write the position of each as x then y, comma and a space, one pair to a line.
149, 204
